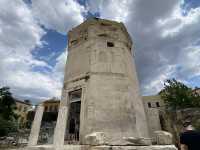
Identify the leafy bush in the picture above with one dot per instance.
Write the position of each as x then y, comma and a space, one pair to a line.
7, 126
7, 116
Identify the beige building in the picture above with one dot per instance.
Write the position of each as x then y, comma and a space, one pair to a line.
153, 101
51, 105
153, 104
22, 108
197, 90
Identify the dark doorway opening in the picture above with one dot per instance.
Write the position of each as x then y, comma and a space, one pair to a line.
73, 126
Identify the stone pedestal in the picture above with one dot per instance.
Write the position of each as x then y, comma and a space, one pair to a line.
35, 130
103, 147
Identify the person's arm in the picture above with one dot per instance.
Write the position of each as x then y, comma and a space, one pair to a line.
184, 147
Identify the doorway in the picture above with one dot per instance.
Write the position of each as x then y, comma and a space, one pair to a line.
73, 125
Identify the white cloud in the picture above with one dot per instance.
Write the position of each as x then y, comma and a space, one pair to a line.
113, 9
58, 71
168, 50
59, 15
177, 22
19, 35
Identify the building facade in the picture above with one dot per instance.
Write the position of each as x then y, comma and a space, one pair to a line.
51, 105
22, 109
153, 104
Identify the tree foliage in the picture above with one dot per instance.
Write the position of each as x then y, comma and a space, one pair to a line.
7, 115
7, 126
177, 95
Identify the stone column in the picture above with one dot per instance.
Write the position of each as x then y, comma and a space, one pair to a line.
59, 132
35, 130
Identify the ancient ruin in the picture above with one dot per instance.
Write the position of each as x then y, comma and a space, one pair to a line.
101, 107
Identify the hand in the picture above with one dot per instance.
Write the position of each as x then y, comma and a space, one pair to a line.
184, 147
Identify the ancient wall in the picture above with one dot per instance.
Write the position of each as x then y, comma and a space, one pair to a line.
153, 104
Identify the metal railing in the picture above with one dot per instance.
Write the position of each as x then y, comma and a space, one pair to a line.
72, 138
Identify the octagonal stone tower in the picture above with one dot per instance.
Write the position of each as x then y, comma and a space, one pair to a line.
101, 91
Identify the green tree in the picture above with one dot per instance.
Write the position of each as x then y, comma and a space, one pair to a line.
7, 115
177, 95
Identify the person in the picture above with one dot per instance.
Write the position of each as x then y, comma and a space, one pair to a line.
189, 138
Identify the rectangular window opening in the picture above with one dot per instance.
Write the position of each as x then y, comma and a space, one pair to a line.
149, 104
110, 44
157, 104
103, 35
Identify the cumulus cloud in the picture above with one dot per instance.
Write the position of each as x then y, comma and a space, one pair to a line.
59, 15
113, 9
165, 50
60, 66
19, 35
21, 32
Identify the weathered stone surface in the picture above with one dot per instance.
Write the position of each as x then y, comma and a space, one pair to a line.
152, 112
103, 147
33, 138
138, 141
100, 61
60, 126
163, 137
96, 138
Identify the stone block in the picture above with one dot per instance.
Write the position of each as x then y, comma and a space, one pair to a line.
163, 138
96, 138
138, 141
102, 147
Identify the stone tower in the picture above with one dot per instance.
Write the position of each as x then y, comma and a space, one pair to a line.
101, 91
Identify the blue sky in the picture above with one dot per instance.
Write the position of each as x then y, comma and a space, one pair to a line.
33, 41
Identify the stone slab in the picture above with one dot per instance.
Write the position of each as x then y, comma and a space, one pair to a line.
103, 147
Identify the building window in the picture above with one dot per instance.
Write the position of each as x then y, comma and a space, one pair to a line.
103, 35
110, 44
55, 108
149, 104
50, 108
25, 109
75, 96
105, 24
20, 108
45, 108
73, 42
157, 104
